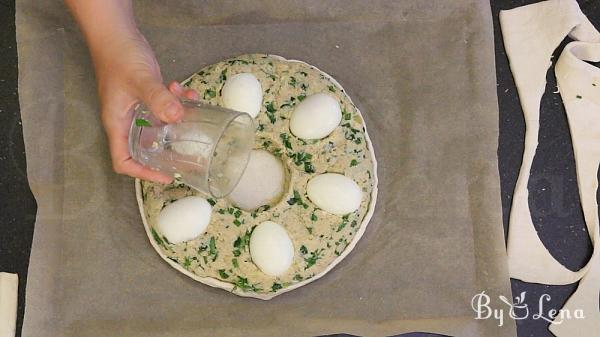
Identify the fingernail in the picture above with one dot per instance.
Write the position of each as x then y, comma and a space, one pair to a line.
172, 111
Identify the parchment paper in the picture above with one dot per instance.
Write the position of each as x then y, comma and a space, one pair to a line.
422, 73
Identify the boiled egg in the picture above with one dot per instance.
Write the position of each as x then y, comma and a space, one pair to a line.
271, 248
334, 193
262, 182
243, 92
315, 117
184, 219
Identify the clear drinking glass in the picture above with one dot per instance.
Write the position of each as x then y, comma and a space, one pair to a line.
209, 149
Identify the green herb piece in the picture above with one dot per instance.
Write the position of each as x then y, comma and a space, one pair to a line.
304, 86
223, 76
232, 62
331, 88
223, 274
234, 262
301, 97
276, 286
243, 284
260, 127
308, 167
210, 93
347, 115
277, 153
221, 211
303, 249
341, 226
297, 199
309, 229
212, 246
271, 112
187, 263
142, 122
313, 258
313, 217
579, 96
354, 162
285, 138
230, 210
292, 81
298, 277
211, 201
237, 253
353, 224
157, 237
237, 213
237, 222
242, 241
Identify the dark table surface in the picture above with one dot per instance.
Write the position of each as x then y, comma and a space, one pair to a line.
554, 198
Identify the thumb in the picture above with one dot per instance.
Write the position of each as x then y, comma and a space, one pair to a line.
163, 104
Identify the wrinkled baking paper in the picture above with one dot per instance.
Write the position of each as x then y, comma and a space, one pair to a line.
423, 75
531, 34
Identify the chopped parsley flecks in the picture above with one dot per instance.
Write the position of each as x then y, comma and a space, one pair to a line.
292, 81
212, 248
298, 277
209, 93
347, 115
354, 162
303, 159
277, 153
301, 97
297, 199
304, 86
142, 122
351, 133
223, 76
260, 127
271, 112
211, 201
313, 217
266, 144
303, 250
187, 262
234, 262
331, 88
157, 237
243, 284
313, 258
285, 138
237, 222
232, 62
276, 286
343, 223
223, 274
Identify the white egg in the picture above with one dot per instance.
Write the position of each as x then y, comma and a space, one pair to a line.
243, 92
315, 117
334, 193
184, 219
262, 182
271, 248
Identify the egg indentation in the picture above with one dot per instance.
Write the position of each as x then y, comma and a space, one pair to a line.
262, 182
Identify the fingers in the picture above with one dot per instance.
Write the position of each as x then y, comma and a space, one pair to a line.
163, 103
124, 164
180, 91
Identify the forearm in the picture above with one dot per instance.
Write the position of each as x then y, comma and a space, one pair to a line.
104, 23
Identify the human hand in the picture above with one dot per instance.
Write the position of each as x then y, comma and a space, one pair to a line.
127, 72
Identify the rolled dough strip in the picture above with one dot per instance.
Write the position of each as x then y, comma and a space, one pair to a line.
531, 33
9, 284
579, 84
